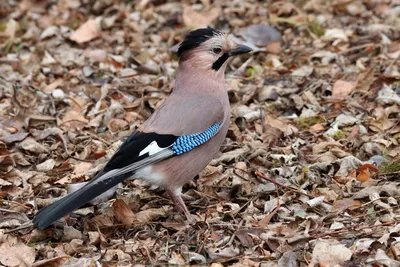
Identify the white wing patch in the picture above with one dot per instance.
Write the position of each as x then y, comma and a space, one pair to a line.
152, 148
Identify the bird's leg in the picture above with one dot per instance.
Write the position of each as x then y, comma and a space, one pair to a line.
180, 205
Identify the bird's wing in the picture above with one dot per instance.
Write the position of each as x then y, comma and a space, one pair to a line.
138, 150
182, 116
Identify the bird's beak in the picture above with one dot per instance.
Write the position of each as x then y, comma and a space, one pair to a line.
241, 49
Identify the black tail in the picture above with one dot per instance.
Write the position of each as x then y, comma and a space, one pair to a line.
47, 216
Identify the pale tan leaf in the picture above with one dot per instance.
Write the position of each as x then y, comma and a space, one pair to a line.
86, 32
194, 19
342, 89
16, 254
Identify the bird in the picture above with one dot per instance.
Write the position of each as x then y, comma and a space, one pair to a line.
179, 139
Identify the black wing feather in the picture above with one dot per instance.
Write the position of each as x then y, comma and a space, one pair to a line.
48, 215
127, 155
129, 151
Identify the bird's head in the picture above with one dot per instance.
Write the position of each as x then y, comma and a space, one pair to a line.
209, 49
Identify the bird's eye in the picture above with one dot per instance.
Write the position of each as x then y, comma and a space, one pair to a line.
217, 50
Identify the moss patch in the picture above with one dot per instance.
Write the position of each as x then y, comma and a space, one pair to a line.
339, 135
316, 28
3, 26
308, 122
253, 71
390, 167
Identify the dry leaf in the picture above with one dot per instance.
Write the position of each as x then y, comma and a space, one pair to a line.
365, 172
86, 32
245, 237
261, 34
149, 215
11, 28
16, 253
286, 128
116, 125
123, 213
194, 19
53, 262
330, 253
72, 120
342, 89
30, 144
288, 259
11, 138
343, 204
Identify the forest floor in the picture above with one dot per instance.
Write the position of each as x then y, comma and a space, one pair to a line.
308, 175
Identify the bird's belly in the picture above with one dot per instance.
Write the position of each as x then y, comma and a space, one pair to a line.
150, 175
176, 171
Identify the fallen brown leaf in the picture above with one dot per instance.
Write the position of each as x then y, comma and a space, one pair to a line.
194, 19
342, 89
86, 32
365, 172
123, 213
53, 262
16, 253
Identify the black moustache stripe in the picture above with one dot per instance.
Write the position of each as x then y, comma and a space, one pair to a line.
220, 61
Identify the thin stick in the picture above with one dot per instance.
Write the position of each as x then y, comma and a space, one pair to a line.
370, 213
9, 211
16, 203
21, 227
351, 49
259, 174
347, 229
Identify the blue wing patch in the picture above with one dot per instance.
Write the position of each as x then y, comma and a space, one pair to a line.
186, 143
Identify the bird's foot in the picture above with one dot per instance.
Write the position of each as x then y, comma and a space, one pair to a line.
181, 206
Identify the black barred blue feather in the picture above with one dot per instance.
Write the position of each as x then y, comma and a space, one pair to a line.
139, 150
188, 142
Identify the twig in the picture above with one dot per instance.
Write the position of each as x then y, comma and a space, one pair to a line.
8, 61
370, 213
347, 229
16, 203
98, 138
259, 174
9, 211
21, 227
351, 49
389, 173
366, 204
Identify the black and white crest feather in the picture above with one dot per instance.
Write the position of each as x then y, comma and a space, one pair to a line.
196, 38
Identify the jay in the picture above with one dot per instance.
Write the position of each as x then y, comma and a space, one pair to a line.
179, 139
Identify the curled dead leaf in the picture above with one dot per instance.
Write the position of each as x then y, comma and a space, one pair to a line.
123, 213
30, 144
116, 125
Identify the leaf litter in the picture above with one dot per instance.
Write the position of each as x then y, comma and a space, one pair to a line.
307, 176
